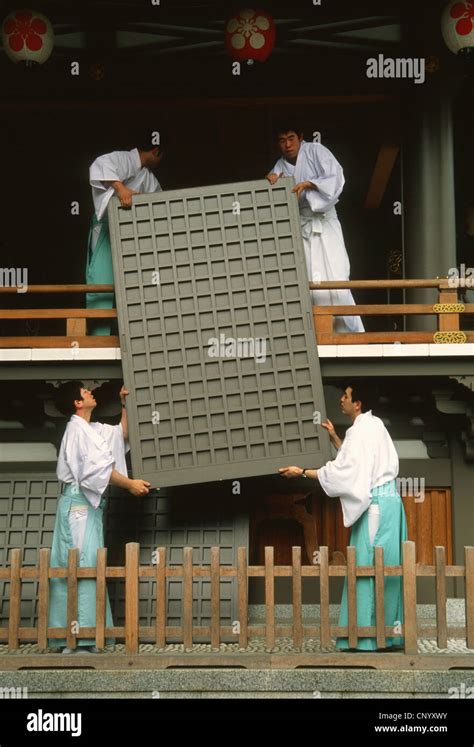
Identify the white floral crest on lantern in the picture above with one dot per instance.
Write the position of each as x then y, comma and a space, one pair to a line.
247, 27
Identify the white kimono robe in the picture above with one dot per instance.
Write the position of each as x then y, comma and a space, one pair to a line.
367, 459
88, 453
123, 166
325, 251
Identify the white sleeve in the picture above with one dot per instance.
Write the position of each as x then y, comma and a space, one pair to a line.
278, 167
150, 183
114, 438
111, 167
349, 477
329, 183
91, 466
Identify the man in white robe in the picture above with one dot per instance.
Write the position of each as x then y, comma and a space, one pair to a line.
363, 476
124, 173
319, 182
91, 456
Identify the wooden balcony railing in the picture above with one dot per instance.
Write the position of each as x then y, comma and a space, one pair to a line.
448, 312
297, 629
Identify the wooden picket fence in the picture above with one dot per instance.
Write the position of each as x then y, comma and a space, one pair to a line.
132, 633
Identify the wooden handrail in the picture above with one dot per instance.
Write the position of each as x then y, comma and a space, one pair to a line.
441, 283
58, 313
62, 289
359, 309
382, 309
323, 285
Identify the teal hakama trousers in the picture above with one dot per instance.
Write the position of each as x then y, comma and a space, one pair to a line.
62, 542
99, 271
392, 531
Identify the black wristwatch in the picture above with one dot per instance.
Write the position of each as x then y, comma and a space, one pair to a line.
303, 474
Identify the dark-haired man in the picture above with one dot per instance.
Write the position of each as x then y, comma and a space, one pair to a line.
363, 476
125, 173
319, 181
91, 456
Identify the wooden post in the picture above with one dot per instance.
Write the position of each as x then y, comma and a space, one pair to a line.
76, 327
297, 597
352, 597
469, 585
188, 598
15, 599
242, 583
409, 598
380, 597
132, 555
323, 325
161, 597
269, 598
215, 597
72, 621
100, 593
43, 597
324, 597
448, 322
441, 615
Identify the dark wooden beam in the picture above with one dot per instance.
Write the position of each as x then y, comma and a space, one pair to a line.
384, 165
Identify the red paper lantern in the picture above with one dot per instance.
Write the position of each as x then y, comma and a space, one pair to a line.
457, 25
250, 35
27, 36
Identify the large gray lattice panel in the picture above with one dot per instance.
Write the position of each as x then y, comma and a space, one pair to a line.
230, 261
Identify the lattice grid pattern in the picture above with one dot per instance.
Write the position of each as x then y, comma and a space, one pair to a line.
189, 270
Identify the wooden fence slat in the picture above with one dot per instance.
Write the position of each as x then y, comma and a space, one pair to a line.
324, 597
101, 595
15, 599
424, 530
351, 597
132, 555
242, 584
72, 616
441, 614
43, 597
469, 586
297, 598
161, 597
269, 598
215, 597
188, 598
409, 597
449, 523
380, 597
